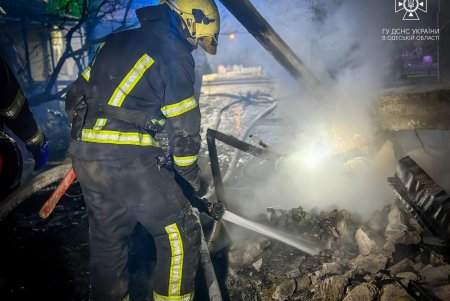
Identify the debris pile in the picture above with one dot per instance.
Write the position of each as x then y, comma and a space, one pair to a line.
383, 258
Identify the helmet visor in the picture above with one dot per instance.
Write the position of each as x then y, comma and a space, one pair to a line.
208, 44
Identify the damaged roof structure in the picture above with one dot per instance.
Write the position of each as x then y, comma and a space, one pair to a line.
399, 251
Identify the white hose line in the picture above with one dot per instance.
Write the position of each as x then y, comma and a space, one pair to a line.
27, 189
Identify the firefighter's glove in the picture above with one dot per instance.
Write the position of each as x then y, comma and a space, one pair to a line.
215, 210
191, 174
38, 146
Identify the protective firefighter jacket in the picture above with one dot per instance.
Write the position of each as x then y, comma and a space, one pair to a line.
149, 69
14, 110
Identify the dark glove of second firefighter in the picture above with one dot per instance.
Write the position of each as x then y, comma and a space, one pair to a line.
39, 148
191, 174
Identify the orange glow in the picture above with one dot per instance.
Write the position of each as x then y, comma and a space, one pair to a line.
232, 36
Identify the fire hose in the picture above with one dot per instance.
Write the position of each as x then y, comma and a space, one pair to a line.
39, 182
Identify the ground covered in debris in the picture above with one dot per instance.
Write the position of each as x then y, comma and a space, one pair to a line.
384, 258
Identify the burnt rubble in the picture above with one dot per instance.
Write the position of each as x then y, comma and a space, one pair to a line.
383, 258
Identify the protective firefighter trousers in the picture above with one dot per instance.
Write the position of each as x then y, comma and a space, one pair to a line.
118, 195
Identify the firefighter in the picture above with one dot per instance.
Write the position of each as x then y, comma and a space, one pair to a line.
16, 116
140, 81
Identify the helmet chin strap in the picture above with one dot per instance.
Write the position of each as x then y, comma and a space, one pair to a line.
185, 32
193, 41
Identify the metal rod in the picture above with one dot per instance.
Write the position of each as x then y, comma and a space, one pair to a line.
215, 167
236, 155
211, 137
241, 145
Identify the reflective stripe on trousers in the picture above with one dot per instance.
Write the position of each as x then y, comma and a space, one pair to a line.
188, 297
176, 264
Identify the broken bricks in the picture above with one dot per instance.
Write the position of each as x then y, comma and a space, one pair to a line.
394, 291
385, 259
330, 289
284, 290
367, 242
363, 292
241, 255
379, 270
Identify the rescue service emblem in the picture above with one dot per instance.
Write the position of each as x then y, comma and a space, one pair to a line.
411, 7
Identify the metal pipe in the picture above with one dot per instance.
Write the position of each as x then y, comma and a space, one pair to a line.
244, 135
215, 166
211, 137
259, 28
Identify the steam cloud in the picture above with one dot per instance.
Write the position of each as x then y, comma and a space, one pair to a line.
341, 44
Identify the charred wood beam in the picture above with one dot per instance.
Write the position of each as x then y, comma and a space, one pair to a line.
259, 28
422, 198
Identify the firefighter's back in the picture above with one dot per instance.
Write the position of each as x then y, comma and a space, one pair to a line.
126, 73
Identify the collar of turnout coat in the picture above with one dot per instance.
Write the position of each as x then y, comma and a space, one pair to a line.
161, 16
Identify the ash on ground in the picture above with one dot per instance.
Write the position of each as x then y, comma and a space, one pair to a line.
384, 258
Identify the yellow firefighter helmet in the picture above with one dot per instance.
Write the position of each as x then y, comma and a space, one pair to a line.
202, 20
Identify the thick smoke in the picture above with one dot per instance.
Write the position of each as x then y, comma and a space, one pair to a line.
341, 44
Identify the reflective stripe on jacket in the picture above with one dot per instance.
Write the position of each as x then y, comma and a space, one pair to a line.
150, 69
14, 110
